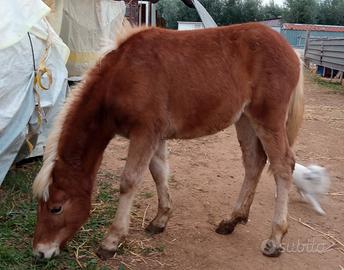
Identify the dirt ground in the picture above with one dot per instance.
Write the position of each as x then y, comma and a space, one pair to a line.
206, 175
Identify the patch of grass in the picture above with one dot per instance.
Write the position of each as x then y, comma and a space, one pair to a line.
147, 194
152, 250
335, 86
18, 218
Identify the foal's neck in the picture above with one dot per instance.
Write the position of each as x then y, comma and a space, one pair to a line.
86, 131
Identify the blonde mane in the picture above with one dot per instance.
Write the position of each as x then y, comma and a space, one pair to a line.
126, 32
43, 180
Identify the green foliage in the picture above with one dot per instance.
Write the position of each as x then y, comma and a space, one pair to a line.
271, 11
227, 12
224, 12
18, 218
301, 11
173, 11
334, 86
331, 12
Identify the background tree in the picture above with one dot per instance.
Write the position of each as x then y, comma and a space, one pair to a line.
231, 12
301, 11
271, 11
227, 12
173, 11
251, 10
331, 12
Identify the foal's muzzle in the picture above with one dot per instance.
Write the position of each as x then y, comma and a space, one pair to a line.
46, 251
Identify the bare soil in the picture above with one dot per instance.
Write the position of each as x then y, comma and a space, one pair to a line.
206, 175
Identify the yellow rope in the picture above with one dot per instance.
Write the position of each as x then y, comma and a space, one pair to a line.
42, 68
39, 73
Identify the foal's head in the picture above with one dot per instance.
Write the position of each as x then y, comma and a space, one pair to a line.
64, 192
61, 211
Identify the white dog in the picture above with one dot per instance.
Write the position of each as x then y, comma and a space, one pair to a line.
310, 182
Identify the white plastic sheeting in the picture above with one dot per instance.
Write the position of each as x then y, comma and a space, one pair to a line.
55, 15
18, 117
87, 27
17, 17
207, 20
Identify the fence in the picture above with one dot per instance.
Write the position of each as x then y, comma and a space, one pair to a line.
326, 52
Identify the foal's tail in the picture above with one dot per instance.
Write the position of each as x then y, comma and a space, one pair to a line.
296, 108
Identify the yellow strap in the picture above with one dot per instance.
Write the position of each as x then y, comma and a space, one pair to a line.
42, 69
83, 57
29, 145
40, 72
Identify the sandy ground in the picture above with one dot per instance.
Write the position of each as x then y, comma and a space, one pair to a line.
206, 175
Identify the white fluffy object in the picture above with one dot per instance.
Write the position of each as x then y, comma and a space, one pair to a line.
311, 182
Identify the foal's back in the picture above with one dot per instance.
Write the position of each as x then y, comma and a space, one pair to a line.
195, 83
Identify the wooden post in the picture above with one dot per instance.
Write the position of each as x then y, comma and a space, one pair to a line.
140, 15
331, 74
307, 62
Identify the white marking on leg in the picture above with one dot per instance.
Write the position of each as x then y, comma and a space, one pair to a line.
159, 169
141, 150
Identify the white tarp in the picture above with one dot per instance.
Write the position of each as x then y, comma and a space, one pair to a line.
19, 124
55, 15
207, 20
87, 27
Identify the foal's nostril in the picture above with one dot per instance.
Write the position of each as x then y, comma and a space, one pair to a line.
40, 255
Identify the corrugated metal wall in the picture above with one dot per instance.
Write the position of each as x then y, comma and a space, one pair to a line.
297, 38
326, 52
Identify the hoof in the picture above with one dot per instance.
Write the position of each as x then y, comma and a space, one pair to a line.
271, 249
105, 254
225, 227
152, 229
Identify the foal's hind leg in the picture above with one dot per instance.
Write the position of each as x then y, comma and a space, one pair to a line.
159, 170
141, 149
282, 162
254, 160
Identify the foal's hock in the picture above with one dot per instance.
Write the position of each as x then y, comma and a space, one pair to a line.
159, 85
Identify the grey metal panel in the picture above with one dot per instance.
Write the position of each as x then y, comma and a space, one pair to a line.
315, 52
317, 62
336, 55
334, 42
334, 48
315, 47
317, 42
328, 52
333, 66
333, 60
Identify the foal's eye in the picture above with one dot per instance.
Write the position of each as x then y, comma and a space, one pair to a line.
56, 210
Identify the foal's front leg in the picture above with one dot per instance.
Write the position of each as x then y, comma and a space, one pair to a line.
141, 150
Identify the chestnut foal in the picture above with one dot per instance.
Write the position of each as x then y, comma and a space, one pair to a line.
159, 85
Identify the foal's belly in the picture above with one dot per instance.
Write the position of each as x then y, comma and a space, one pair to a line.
203, 125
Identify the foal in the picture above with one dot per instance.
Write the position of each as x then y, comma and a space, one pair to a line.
159, 85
